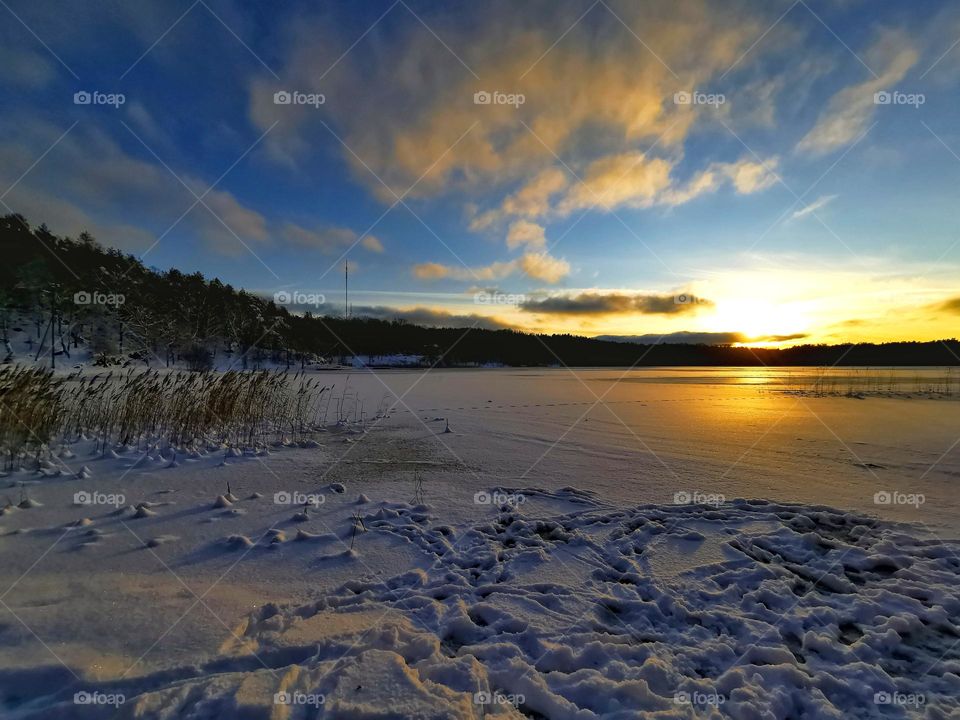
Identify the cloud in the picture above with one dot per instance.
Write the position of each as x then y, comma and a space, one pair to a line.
534, 198
581, 95
748, 176
25, 68
584, 103
524, 232
626, 179
241, 220
87, 181
594, 303
431, 271
438, 271
686, 337
372, 244
849, 112
950, 306
636, 180
745, 175
530, 201
820, 202
545, 267
539, 266
146, 126
327, 239
630, 179
423, 316
430, 317
777, 338
66, 218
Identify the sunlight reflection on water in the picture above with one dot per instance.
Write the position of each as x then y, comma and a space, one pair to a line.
920, 379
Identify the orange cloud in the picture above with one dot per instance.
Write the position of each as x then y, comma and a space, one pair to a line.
436, 139
539, 266
524, 232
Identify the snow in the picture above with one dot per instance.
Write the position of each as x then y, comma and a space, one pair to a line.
494, 572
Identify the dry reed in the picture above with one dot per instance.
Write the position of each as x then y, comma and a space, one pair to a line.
158, 408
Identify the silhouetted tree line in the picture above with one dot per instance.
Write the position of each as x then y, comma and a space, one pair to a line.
172, 316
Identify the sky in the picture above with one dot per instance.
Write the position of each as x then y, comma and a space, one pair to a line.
766, 173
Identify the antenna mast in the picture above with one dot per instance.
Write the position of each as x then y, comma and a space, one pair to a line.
346, 290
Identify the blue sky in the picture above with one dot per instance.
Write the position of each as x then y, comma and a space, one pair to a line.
785, 197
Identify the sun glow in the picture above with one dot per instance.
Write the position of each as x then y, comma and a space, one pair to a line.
761, 319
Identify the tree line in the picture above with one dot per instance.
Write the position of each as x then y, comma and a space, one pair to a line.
61, 295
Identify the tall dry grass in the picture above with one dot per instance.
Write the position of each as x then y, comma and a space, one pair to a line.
169, 409
31, 410
864, 382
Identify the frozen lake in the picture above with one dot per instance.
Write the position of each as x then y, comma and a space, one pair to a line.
643, 435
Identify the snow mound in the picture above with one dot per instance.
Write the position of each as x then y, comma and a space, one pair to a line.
144, 510
160, 540
221, 502
239, 542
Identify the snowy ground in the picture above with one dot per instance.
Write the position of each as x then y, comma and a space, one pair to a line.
540, 560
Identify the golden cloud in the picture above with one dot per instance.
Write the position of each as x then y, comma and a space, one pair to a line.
438, 271
950, 306
579, 94
625, 179
372, 243
539, 266
524, 232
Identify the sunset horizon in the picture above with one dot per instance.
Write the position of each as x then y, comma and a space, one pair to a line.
577, 171
498, 360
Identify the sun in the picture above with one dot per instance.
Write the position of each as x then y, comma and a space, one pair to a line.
760, 320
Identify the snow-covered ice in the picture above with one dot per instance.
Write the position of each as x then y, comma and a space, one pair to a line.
687, 550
